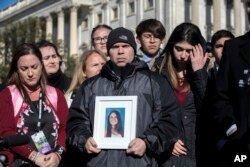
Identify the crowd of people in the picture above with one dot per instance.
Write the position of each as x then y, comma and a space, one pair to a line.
192, 100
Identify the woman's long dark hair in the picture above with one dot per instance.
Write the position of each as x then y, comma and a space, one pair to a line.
187, 32
13, 77
118, 126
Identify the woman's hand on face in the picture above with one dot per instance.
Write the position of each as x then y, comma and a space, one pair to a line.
179, 149
197, 57
91, 146
137, 147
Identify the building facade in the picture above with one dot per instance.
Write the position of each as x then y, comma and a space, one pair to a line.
71, 21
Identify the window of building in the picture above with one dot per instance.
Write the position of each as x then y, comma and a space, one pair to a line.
229, 16
85, 24
149, 4
114, 13
99, 18
187, 10
209, 19
131, 8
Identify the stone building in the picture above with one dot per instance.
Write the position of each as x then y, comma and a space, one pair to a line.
71, 21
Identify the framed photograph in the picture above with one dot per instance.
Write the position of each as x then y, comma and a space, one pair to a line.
115, 121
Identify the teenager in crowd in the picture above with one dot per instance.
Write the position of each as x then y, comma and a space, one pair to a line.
52, 62
150, 34
184, 62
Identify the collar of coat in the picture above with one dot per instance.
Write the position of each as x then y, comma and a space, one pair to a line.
125, 72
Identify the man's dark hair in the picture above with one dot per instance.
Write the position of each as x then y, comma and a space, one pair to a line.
220, 34
153, 26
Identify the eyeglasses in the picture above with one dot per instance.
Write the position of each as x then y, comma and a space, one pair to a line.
150, 37
98, 40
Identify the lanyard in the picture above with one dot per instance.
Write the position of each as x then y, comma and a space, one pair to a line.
34, 108
40, 111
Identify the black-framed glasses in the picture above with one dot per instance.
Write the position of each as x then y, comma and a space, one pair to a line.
150, 37
98, 40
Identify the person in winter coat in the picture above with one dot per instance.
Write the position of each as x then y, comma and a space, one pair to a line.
231, 102
150, 34
157, 107
32, 108
208, 133
88, 65
183, 61
52, 61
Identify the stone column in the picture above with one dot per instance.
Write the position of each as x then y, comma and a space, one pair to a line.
73, 31
139, 13
60, 31
198, 16
217, 15
49, 30
122, 20
237, 17
91, 17
60, 25
38, 29
159, 10
106, 12
195, 11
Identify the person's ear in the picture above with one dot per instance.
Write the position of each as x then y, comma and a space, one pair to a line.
163, 41
138, 40
84, 75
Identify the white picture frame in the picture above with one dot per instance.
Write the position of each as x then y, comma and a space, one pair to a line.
105, 107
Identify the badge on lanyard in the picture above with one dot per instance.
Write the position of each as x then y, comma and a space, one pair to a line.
39, 139
41, 142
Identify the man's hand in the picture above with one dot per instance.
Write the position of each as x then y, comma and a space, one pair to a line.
179, 149
137, 147
91, 146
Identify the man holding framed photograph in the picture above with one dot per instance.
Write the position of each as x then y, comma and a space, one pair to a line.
157, 109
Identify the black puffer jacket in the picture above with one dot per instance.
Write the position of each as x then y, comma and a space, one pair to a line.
157, 110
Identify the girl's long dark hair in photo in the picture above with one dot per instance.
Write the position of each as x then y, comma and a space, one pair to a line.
118, 126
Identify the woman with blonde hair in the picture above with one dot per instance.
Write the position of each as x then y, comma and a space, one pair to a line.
87, 66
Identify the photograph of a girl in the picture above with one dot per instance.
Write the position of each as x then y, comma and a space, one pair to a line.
114, 125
